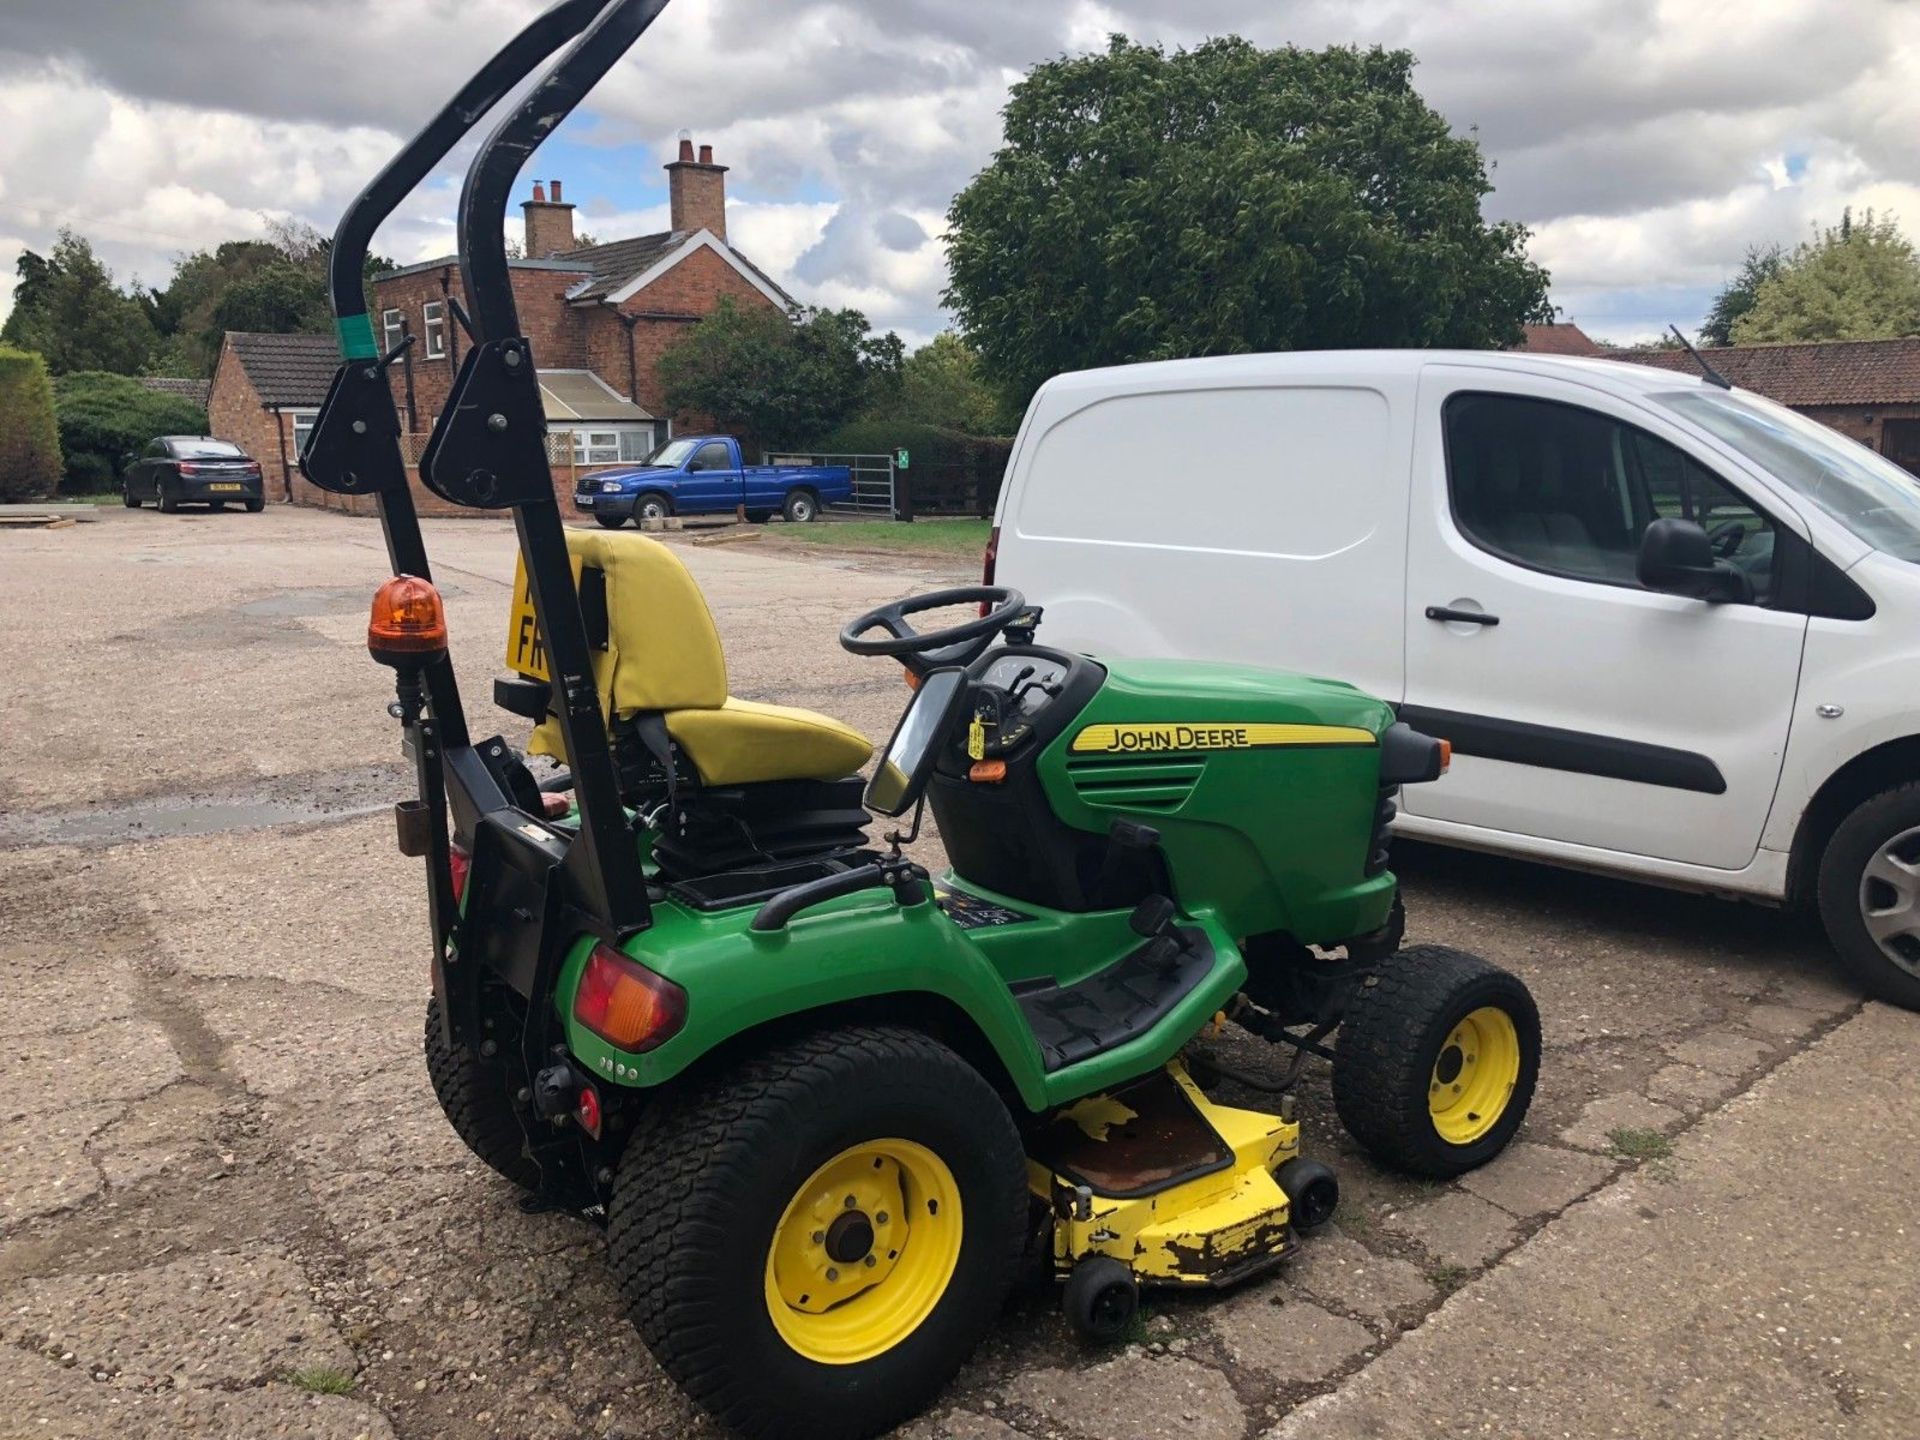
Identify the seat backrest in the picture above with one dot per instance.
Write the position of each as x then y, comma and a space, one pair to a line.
663, 652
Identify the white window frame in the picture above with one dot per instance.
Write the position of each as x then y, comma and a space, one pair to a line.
611, 443
433, 321
302, 426
392, 330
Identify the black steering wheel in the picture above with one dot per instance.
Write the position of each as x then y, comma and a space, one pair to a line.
955, 645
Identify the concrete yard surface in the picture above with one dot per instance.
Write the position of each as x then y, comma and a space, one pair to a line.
230, 1207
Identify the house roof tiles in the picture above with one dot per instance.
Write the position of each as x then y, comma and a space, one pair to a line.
286, 369
1833, 372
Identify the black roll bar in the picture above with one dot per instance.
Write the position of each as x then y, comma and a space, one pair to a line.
488, 448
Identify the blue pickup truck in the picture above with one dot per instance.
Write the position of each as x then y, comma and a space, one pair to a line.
702, 475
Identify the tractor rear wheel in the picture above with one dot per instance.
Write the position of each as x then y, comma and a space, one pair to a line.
1436, 1061
812, 1242
477, 1105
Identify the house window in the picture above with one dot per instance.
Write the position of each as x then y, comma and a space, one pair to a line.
303, 427
434, 314
612, 444
392, 329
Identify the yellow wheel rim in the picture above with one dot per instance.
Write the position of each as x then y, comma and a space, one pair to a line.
1474, 1075
864, 1251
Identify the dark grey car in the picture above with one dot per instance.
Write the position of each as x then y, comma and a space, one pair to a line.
192, 469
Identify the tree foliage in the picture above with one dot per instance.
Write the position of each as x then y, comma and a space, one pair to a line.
777, 379
941, 385
1224, 199
104, 417
29, 440
66, 307
1853, 281
1761, 264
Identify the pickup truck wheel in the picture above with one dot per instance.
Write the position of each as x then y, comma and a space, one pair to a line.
1869, 895
652, 507
801, 506
608, 522
759, 517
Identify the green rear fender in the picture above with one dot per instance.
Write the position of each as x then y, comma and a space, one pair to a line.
840, 953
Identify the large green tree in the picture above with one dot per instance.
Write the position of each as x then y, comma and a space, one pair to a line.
1858, 280
1761, 264
779, 380
1223, 199
67, 308
941, 384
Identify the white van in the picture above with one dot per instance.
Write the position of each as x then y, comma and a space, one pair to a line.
1672, 629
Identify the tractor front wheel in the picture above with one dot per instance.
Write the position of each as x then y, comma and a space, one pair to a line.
812, 1242
1436, 1061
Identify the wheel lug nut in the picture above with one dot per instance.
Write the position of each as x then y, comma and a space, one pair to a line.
881, 1218
832, 1274
850, 1202
872, 1261
819, 1237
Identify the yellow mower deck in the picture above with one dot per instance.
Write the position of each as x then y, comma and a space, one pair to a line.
1155, 1175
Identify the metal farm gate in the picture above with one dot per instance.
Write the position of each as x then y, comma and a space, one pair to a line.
874, 488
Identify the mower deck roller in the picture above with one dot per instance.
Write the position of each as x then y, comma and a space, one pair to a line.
828, 1106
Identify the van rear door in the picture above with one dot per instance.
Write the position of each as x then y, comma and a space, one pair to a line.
1262, 522
1584, 708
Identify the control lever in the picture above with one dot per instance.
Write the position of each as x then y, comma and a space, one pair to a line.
1123, 836
1152, 921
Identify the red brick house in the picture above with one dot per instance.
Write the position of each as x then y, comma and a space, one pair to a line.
599, 316
1868, 390
265, 393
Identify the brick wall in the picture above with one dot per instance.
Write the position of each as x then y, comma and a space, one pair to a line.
1864, 423
234, 412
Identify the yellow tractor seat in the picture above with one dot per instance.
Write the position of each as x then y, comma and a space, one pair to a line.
663, 656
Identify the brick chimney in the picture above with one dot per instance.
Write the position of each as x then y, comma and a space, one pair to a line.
549, 223
698, 189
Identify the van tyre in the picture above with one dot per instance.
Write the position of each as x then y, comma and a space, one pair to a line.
730, 1206
1869, 895
652, 507
801, 506
1436, 1061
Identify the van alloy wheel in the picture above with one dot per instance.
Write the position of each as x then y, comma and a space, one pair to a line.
1890, 899
1868, 890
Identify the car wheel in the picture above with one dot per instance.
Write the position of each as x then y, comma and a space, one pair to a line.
608, 522
216, 505
127, 499
168, 502
801, 507
813, 1241
254, 507
652, 507
1869, 895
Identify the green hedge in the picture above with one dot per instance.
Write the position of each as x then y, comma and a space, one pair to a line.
104, 417
29, 438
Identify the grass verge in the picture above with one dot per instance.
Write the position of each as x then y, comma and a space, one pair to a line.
948, 539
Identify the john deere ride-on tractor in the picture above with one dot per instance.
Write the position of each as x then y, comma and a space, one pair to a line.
827, 1105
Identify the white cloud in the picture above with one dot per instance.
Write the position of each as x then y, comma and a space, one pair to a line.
1647, 141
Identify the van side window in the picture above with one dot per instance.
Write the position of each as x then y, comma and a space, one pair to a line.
1569, 491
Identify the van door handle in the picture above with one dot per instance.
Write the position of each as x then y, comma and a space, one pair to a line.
1470, 617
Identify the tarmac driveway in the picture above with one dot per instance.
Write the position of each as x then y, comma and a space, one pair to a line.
226, 1191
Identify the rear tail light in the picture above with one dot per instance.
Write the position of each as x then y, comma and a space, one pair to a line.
626, 1004
459, 862
189, 469
987, 563
253, 467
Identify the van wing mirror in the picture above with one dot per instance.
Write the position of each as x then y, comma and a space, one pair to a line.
1676, 558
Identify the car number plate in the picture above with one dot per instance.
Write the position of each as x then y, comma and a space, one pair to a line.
526, 647
584, 502
226, 485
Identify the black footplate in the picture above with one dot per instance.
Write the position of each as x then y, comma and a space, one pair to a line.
1128, 998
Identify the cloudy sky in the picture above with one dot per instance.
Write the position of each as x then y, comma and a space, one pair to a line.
1646, 142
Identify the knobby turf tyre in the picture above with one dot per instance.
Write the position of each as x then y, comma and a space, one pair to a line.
477, 1105
703, 1188
1841, 890
1391, 1039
